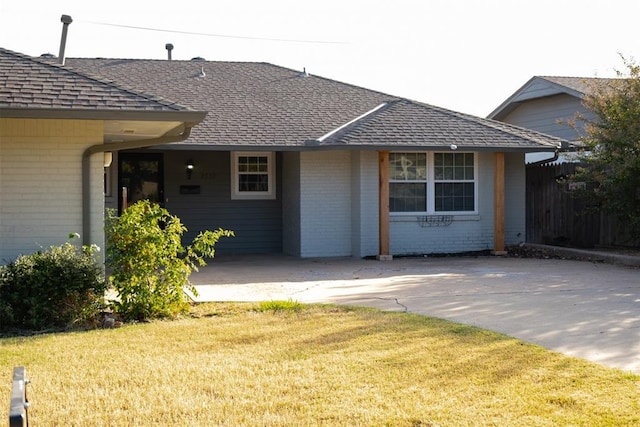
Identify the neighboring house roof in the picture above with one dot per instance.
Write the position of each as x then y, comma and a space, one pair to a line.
544, 86
263, 106
577, 86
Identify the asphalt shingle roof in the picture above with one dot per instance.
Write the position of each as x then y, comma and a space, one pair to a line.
27, 82
405, 123
249, 104
257, 105
583, 85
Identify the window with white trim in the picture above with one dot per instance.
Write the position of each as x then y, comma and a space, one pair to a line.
432, 183
253, 175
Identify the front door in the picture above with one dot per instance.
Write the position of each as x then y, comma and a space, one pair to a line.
140, 176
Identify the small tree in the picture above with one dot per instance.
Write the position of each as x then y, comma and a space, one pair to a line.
151, 268
612, 147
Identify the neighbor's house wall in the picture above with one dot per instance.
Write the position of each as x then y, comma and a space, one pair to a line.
41, 183
550, 115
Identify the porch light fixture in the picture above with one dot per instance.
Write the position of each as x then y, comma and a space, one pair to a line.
108, 158
189, 167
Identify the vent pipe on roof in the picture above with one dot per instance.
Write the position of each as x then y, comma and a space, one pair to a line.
66, 20
169, 48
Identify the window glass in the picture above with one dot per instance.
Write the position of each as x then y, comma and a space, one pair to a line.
450, 187
454, 197
252, 176
408, 166
407, 197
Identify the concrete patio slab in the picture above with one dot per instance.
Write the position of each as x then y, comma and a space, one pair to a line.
583, 309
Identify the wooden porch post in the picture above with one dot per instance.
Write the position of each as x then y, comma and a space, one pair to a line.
498, 204
383, 206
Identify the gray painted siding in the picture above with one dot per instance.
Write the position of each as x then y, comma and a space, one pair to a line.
544, 114
325, 202
466, 233
537, 89
364, 191
291, 203
257, 223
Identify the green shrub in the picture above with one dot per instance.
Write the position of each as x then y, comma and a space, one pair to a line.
51, 289
150, 267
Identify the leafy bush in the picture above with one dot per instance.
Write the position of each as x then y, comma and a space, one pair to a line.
151, 268
51, 289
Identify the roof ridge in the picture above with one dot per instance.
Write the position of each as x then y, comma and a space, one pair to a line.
576, 77
193, 60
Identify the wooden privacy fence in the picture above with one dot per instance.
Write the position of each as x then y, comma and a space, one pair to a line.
557, 215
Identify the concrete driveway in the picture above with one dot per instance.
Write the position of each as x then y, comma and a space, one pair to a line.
583, 309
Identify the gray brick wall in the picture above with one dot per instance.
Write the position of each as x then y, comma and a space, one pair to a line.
325, 187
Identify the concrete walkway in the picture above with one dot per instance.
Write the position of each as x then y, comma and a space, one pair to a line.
583, 309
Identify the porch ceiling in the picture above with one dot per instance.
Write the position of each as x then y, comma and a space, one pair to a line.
133, 130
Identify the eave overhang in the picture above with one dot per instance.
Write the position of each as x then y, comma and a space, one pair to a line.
102, 114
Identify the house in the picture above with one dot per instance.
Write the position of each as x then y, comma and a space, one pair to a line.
311, 167
554, 215
548, 105
54, 127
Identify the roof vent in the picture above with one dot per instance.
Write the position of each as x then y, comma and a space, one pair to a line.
304, 73
47, 56
198, 58
66, 20
169, 48
201, 73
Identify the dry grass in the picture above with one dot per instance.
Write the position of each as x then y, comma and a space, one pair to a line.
242, 365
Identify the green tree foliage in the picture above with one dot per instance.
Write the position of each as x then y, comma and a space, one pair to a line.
612, 147
51, 288
151, 268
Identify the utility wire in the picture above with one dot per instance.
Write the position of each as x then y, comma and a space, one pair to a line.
214, 35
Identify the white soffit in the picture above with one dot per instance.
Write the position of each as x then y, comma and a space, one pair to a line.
130, 130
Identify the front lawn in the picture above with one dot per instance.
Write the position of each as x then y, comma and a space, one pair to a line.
235, 364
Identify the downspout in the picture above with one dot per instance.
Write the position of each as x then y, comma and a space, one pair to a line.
117, 146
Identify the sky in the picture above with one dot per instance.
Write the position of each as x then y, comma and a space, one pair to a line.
465, 55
